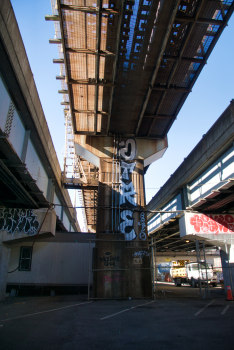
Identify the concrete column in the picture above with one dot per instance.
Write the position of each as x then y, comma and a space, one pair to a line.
5, 253
121, 254
227, 260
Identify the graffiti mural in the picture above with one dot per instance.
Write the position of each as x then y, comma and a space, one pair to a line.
127, 191
212, 223
21, 220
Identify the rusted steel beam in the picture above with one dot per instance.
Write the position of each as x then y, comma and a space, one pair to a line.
120, 20
65, 60
63, 91
172, 19
97, 61
89, 82
199, 20
158, 116
88, 111
186, 59
89, 9
213, 43
90, 52
55, 41
81, 187
181, 51
58, 60
171, 88
60, 77
51, 17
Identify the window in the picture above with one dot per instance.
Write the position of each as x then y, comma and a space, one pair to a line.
25, 259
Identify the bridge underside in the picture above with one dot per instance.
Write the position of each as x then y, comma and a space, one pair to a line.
126, 69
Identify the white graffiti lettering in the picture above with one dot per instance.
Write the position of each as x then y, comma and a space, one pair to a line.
128, 149
21, 220
126, 226
127, 192
143, 227
127, 169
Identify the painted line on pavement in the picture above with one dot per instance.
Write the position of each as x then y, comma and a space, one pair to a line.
197, 313
225, 309
120, 312
210, 303
43, 312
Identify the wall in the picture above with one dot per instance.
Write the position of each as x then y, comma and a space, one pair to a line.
4, 104
17, 134
53, 263
57, 208
36, 168
66, 222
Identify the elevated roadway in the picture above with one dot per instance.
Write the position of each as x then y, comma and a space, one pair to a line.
126, 69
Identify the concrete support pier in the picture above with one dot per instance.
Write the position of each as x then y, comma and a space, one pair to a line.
121, 256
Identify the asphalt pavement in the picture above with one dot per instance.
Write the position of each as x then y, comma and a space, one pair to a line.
179, 318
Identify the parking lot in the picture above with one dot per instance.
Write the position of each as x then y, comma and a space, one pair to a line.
178, 319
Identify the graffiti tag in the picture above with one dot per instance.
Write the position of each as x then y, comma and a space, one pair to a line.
215, 224
109, 260
116, 278
21, 220
143, 226
127, 191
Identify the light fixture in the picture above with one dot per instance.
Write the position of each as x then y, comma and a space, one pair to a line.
187, 241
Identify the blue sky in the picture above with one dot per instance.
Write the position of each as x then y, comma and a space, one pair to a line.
210, 96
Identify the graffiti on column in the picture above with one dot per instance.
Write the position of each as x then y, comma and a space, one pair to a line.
21, 220
127, 191
143, 226
110, 260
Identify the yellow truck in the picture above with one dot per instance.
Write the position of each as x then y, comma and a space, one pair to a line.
178, 272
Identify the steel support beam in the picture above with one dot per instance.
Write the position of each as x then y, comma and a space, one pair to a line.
199, 20
172, 19
63, 91
58, 60
55, 41
171, 88
90, 52
205, 58
185, 59
97, 61
120, 19
190, 29
89, 9
89, 82
65, 59
89, 111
